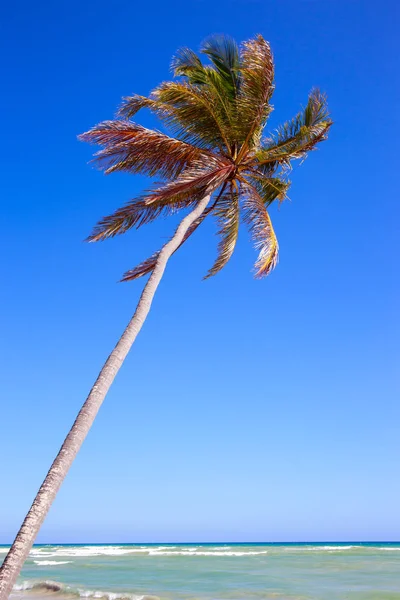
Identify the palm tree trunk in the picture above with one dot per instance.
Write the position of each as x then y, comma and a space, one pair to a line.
20, 549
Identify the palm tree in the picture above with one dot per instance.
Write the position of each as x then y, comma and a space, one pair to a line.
218, 163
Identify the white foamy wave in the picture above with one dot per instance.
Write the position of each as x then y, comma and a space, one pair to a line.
336, 547
98, 594
158, 547
59, 589
202, 553
21, 587
47, 552
43, 554
320, 548
83, 551
389, 549
52, 562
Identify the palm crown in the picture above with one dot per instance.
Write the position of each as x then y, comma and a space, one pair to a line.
217, 113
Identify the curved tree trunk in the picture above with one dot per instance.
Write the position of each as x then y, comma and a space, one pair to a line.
19, 551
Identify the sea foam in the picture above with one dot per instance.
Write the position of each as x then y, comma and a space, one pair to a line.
59, 589
48, 563
84, 551
48, 552
202, 553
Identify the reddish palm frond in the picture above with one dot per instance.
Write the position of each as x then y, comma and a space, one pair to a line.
135, 213
144, 268
227, 212
147, 266
256, 89
186, 191
258, 220
300, 135
194, 179
131, 147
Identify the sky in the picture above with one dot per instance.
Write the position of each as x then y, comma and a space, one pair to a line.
247, 410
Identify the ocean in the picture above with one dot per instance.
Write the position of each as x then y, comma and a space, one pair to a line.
312, 571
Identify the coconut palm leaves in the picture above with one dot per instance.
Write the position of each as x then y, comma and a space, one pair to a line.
131, 147
185, 191
295, 138
255, 92
216, 111
227, 213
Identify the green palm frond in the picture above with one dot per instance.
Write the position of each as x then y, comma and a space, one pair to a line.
194, 114
259, 222
189, 112
223, 73
300, 135
223, 52
269, 188
133, 148
188, 65
132, 104
227, 213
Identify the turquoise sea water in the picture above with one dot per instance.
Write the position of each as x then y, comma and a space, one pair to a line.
326, 571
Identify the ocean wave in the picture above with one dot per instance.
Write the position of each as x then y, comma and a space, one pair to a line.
203, 553
58, 589
48, 563
334, 547
362, 547
84, 551
46, 552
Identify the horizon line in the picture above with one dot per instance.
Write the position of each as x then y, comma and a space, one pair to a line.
249, 543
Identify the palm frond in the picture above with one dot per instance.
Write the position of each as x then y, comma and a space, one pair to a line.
300, 135
227, 213
132, 104
188, 65
179, 121
147, 266
133, 148
216, 112
192, 112
268, 169
269, 188
135, 213
196, 180
188, 189
258, 220
256, 89
223, 52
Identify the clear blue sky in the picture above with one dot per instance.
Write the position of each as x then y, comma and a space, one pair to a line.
247, 410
